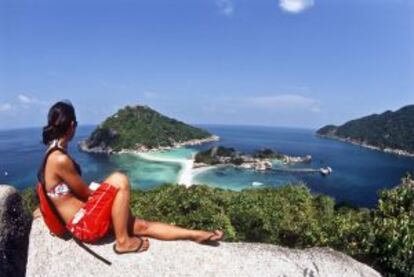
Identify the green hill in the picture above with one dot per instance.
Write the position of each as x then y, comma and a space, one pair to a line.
392, 130
140, 127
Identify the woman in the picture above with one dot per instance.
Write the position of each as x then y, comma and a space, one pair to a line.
82, 207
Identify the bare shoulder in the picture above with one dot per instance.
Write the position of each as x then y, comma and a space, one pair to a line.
60, 160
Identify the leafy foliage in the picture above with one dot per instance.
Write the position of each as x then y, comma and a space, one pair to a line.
30, 199
141, 125
211, 156
394, 229
387, 130
267, 153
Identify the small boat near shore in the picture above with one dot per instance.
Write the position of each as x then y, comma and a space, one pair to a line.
257, 184
326, 171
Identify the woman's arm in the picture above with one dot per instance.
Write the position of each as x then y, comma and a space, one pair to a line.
67, 172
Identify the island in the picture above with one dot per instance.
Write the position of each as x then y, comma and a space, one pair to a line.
391, 132
260, 160
140, 128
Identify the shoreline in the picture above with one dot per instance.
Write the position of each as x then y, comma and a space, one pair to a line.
143, 149
185, 175
202, 169
187, 172
392, 151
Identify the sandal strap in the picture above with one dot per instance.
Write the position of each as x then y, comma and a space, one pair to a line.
141, 242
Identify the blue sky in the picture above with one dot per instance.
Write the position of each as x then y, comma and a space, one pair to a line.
299, 63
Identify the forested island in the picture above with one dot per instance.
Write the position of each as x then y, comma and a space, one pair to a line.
390, 131
140, 128
260, 160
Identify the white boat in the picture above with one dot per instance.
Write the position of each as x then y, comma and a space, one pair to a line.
256, 184
326, 171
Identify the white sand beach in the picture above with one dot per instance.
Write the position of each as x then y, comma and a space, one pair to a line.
185, 176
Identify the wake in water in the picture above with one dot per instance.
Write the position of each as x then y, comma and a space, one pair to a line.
324, 171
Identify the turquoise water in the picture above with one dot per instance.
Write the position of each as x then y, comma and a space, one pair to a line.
145, 174
238, 179
179, 153
358, 172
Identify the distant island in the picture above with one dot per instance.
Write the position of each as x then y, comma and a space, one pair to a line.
260, 160
391, 132
140, 128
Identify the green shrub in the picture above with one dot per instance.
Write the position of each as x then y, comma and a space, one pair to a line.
30, 200
198, 207
352, 232
288, 216
394, 229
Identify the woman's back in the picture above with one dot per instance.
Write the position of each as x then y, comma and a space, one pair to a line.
59, 192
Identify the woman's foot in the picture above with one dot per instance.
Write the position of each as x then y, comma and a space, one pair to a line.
210, 237
132, 245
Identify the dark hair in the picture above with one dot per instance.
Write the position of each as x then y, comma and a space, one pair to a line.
59, 118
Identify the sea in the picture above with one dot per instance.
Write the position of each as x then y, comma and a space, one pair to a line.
358, 173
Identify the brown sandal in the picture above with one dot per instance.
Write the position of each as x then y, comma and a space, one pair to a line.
137, 250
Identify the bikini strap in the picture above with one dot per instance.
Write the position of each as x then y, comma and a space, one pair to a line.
54, 146
41, 171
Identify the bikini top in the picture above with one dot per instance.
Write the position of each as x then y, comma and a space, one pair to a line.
60, 189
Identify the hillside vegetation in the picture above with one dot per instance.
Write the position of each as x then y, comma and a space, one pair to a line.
141, 126
393, 130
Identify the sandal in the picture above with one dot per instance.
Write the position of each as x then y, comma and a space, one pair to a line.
137, 250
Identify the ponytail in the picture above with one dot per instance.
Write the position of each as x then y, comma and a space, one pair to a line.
59, 118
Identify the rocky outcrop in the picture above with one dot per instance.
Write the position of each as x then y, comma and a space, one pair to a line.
14, 233
51, 256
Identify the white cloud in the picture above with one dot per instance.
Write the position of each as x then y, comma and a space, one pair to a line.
295, 6
5, 107
226, 7
24, 99
283, 101
295, 109
27, 101
22, 110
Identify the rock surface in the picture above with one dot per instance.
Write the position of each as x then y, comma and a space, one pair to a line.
51, 256
14, 233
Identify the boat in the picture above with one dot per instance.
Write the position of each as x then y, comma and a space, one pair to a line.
326, 171
256, 184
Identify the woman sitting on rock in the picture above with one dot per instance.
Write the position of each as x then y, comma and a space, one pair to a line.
84, 209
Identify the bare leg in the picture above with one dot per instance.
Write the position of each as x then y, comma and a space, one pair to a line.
162, 231
125, 225
121, 214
